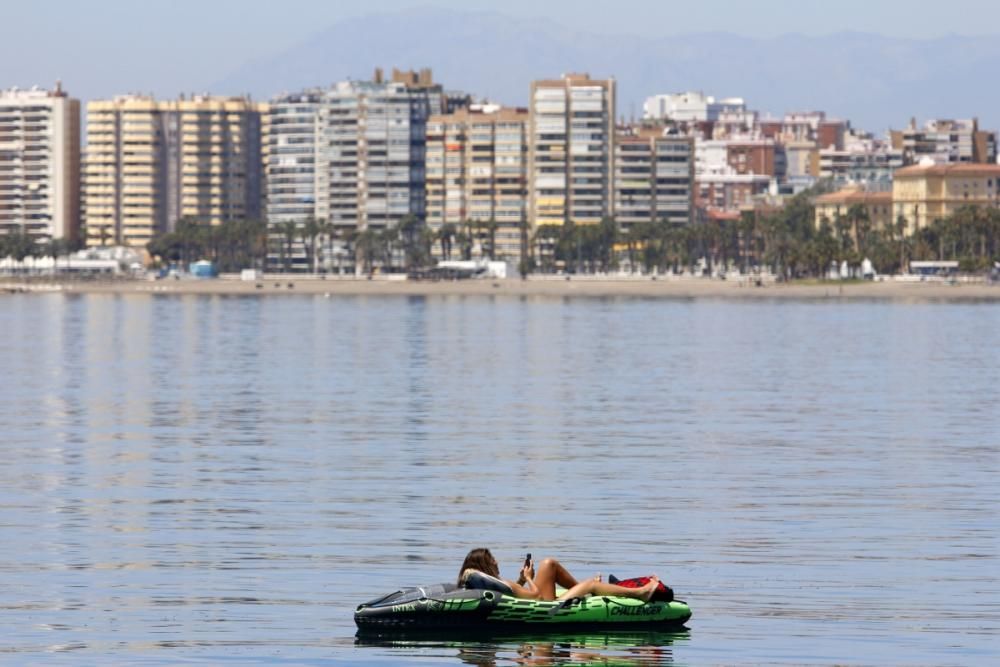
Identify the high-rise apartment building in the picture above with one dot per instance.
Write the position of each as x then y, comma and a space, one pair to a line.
152, 163
571, 150
353, 155
477, 175
39, 163
653, 177
293, 143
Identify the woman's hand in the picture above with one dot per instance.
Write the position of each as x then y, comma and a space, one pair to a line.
528, 572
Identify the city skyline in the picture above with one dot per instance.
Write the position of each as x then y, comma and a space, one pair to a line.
894, 61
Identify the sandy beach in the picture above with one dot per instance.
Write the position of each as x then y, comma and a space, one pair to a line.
646, 288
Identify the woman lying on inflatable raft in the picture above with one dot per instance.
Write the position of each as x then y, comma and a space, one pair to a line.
481, 600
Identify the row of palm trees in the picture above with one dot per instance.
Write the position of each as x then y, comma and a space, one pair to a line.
785, 240
408, 245
231, 246
314, 245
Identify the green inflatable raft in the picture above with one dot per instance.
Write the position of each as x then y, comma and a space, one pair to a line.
449, 607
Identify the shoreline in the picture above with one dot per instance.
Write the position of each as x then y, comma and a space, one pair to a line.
585, 287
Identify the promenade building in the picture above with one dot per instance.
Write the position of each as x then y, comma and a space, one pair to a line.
151, 163
924, 193
945, 142
653, 176
690, 107
477, 165
571, 150
876, 206
863, 161
352, 155
39, 163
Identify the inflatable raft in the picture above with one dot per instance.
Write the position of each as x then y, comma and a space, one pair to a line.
449, 607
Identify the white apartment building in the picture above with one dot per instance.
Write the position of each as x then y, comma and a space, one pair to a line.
39, 163
352, 155
690, 107
292, 182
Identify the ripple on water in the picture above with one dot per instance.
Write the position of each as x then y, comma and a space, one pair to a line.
204, 480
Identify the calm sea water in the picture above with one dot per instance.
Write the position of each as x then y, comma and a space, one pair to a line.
206, 480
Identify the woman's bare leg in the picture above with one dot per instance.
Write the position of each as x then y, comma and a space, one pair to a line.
597, 587
551, 572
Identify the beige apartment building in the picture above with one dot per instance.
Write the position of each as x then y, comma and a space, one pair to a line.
151, 163
924, 193
876, 205
39, 163
477, 176
571, 150
653, 176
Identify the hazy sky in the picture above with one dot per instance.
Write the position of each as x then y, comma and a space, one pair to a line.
103, 47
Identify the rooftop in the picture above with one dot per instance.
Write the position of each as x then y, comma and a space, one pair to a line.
851, 196
961, 169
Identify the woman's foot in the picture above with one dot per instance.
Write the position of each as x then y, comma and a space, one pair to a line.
646, 592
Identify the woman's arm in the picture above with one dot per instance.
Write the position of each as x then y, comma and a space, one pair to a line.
527, 589
523, 591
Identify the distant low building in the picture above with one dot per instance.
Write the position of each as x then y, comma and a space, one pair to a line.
691, 107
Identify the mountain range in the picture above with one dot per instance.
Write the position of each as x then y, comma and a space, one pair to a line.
876, 82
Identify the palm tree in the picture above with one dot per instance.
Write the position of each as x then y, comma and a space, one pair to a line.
900, 231
289, 231
446, 236
104, 235
463, 238
21, 245
491, 233
409, 232
861, 225
54, 248
310, 231
329, 231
